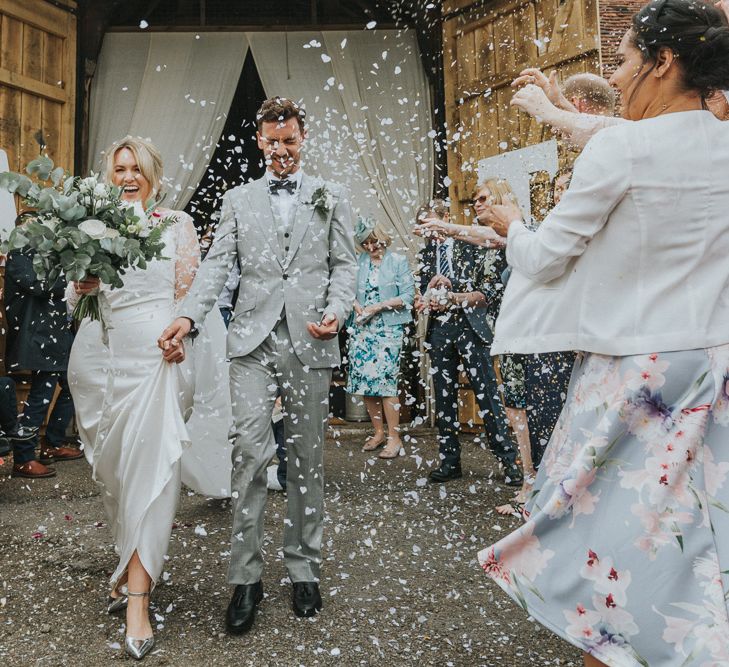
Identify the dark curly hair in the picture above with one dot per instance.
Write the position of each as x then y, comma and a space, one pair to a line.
280, 109
698, 34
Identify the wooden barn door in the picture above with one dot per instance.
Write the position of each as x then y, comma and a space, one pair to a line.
486, 45
37, 80
37, 90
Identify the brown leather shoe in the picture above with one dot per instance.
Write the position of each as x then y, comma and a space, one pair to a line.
32, 470
56, 454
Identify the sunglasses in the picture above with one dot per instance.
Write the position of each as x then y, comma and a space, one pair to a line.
483, 199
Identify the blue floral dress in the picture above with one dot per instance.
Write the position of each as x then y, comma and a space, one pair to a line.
625, 551
374, 349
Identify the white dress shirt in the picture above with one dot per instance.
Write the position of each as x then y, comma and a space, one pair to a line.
283, 201
633, 260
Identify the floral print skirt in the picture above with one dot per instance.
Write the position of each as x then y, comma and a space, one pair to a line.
625, 549
374, 358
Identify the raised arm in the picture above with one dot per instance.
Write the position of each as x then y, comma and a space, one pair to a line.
203, 294
577, 128
600, 180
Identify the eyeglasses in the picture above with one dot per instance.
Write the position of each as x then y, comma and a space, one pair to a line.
483, 199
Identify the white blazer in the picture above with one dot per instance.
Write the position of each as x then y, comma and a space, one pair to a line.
635, 258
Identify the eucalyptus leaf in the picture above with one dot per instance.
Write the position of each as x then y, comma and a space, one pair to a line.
57, 176
15, 183
41, 167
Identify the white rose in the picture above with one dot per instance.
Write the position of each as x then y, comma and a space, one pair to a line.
329, 201
100, 190
87, 184
93, 228
111, 233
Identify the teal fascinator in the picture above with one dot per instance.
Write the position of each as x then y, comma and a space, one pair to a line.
364, 228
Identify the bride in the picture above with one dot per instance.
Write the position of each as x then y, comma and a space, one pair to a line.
131, 406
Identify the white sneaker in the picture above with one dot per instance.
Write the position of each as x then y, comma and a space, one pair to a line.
273, 483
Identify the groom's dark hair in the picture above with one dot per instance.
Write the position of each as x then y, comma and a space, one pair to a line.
279, 110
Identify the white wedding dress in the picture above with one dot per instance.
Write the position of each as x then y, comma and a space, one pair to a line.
132, 406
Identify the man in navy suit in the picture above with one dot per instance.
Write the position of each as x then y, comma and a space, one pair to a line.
456, 288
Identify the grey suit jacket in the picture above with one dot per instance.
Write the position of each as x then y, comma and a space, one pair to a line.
316, 276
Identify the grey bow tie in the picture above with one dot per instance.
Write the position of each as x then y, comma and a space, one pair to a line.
282, 184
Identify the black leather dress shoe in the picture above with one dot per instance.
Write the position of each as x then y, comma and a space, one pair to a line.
306, 598
513, 475
446, 472
242, 608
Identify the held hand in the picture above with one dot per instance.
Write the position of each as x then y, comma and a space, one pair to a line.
419, 304
439, 281
533, 100
174, 354
534, 76
491, 238
435, 229
326, 330
369, 311
91, 284
440, 302
170, 342
500, 217
357, 308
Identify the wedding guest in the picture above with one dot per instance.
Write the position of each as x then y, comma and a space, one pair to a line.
39, 340
383, 305
12, 435
590, 93
456, 288
535, 383
542, 99
624, 551
130, 402
492, 192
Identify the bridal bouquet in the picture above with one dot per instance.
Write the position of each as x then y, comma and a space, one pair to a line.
80, 227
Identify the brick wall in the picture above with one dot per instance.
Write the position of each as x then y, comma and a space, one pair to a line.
615, 16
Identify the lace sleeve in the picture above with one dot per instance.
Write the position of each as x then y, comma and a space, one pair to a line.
187, 256
72, 297
579, 128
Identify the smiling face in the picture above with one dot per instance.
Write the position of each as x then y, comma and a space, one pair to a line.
281, 143
483, 200
374, 247
628, 78
128, 176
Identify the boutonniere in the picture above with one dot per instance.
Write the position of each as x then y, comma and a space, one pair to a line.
322, 200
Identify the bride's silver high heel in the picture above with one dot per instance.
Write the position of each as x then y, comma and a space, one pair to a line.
116, 604
138, 648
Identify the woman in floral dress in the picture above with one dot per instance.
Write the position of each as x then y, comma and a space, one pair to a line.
625, 552
385, 294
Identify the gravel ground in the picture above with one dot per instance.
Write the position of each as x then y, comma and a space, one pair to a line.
401, 585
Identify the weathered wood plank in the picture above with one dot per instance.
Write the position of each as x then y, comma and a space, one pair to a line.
11, 44
38, 14
10, 124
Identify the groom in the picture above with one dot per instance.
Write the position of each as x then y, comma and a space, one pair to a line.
292, 237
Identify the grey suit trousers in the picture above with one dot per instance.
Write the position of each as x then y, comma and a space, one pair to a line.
254, 380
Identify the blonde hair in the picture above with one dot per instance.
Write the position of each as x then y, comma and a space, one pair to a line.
147, 157
381, 236
499, 189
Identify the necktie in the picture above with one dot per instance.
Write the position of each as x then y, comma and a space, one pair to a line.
443, 268
274, 187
